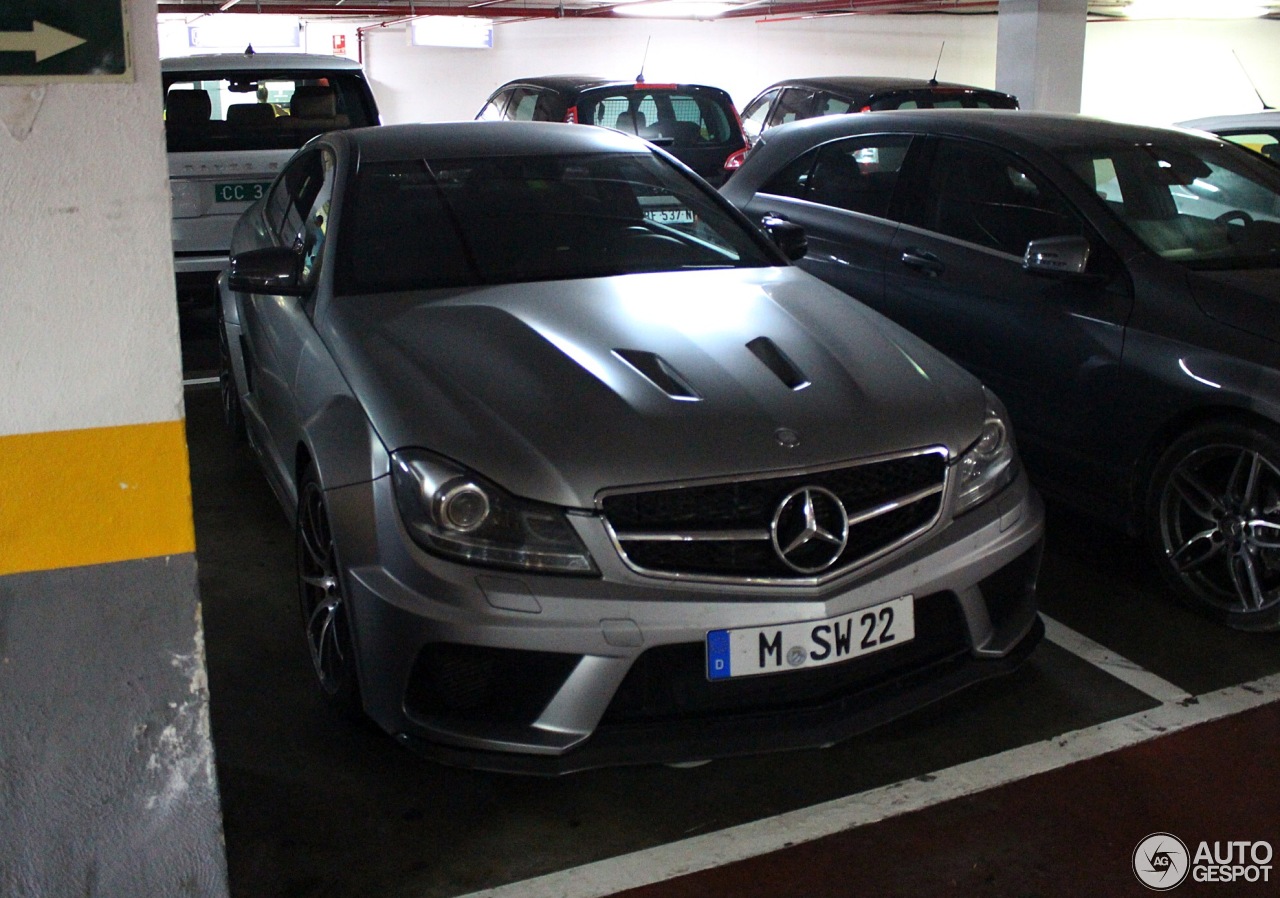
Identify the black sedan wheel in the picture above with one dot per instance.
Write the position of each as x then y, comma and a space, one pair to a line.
1216, 515
325, 614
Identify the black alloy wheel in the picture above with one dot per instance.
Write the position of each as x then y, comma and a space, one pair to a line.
232, 413
325, 613
1215, 519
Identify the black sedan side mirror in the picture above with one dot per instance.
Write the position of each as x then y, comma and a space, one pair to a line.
1057, 256
274, 271
788, 235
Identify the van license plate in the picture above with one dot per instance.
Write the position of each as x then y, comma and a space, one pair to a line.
244, 192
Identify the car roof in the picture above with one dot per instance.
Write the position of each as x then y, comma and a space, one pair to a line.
871, 84
1043, 129
479, 139
1266, 119
577, 83
239, 62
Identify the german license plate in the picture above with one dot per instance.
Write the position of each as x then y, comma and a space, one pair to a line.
749, 651
241, 192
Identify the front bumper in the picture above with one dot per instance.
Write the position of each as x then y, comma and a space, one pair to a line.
526, 673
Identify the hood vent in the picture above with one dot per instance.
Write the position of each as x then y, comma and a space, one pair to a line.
656, 370
776, 361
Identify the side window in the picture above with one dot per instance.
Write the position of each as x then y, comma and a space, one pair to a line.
550, 107
899, 100
524, 102
857, 174
793, 180
794, 103
831, 105
985, 196
278, 206
308, 190
494, 109
754, 116
1262, 142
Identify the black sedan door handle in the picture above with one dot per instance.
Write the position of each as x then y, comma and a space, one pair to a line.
922, 261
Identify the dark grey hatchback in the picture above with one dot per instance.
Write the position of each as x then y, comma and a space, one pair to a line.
1116, 285
800, 98
696, 123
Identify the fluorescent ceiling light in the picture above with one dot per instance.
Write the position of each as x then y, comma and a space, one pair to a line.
231, 32
1195, 9
451, 31
677, 9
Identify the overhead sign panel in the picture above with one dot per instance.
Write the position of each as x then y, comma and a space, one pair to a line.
63, 40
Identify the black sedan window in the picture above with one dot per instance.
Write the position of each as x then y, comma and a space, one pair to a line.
421, 224
989, 198
1209, 207
857, 174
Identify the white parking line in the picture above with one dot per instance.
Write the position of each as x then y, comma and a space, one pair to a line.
1121, 668
749, 840
199, 381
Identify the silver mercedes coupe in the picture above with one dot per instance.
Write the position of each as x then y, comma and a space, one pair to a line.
584, 472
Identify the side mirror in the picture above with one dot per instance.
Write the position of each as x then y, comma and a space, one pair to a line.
1057, 256
788, 236
274, 271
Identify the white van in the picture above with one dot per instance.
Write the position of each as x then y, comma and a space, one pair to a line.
231, 123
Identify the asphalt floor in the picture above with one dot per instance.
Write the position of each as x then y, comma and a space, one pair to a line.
1133, 717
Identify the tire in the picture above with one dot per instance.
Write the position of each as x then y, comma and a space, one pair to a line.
232, 413
1214, 522
326, 612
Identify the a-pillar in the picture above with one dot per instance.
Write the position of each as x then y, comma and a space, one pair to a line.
1040, 52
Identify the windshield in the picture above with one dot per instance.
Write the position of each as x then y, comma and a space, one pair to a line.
269, 110
418, 224
1205, 205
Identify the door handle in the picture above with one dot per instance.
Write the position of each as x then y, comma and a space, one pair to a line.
919, 260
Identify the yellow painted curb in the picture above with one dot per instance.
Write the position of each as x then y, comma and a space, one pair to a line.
77, 497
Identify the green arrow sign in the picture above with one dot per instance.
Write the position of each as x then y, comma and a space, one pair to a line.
53, 40
42, 40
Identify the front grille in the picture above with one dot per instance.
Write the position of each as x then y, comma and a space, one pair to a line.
725, 531
669, 682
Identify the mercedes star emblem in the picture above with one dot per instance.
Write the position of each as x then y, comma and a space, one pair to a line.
810, 529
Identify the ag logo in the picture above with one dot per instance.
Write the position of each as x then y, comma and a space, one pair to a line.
1161, 862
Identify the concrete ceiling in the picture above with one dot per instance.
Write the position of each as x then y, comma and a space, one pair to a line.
508, 10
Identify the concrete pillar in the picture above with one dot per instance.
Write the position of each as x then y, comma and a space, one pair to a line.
107, 780
1040, 52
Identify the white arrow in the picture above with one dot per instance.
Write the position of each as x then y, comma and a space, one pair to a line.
42, 40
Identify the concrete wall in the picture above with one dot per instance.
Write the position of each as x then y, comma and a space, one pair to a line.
1155, 72
107, 784
739, 55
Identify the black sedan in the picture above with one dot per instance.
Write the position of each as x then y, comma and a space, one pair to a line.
1115, 284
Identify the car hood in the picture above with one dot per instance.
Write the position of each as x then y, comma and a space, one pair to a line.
1247, 299
556, 390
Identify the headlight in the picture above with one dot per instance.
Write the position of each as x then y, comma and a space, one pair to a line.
451, 511
990, 463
